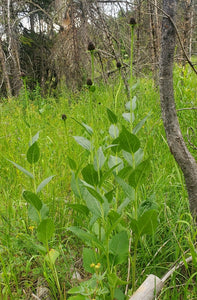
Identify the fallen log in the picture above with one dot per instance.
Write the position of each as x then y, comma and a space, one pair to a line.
153, 285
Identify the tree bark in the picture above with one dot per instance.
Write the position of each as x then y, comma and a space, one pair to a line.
154, 40
5, 71
187, 29
174, 136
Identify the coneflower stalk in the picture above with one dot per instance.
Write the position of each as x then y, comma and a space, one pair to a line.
64, 118
91, 49
119, 86
132, 24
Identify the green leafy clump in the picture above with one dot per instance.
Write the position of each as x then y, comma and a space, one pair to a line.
117, 210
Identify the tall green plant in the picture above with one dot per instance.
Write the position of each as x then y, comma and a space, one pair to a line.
38, 211
121, 162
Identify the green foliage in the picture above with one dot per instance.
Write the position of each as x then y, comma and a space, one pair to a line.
86, 218
106, 230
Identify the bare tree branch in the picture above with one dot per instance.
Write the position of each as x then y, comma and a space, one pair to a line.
178, 36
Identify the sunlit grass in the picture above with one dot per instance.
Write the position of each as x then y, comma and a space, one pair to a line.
20, 261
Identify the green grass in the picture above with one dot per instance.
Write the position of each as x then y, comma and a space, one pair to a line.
21, 262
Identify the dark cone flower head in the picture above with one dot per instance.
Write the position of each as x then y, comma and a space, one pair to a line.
64, 117
91, 46
89, 82
132, 22
118, 65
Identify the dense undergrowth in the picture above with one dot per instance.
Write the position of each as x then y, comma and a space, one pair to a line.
77, 142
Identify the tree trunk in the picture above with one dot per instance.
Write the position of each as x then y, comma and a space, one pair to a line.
187, 28
175, 140
13, 49
154, 40
5, 72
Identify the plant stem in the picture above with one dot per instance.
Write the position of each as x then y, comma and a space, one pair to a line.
118, 91
131, 74
92, 65
67, 137
134, 264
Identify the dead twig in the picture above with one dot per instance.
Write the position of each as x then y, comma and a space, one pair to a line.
178, 36
187, 108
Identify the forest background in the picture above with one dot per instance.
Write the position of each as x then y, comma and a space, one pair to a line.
46, 41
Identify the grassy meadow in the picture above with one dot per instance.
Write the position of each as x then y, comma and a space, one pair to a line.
113, 207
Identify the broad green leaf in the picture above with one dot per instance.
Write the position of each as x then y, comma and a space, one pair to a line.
99, 159
87, 237
127, 117
134, 226
44, 212
138, 176
107, 174
114, 219
124, 204
34, 139
134, 100
119, 244
113, 216
34, 215
76, 185
118, 294
119, 247
128, 104
33, 153
94, 192
89, 258
43, 183
87, 128
125, 172
22, 169
115, 161
114, 281
147, 204
72, 163
52, 256
79, 208
113, 131
126, 141
83, 142
138, 156
92, 203
127, 189
128, 157
109, 195
140, 124
32, 199
90, 175
82, 234
76, 290
111, 116
99, 231
147, 223
45, 231
115, 145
